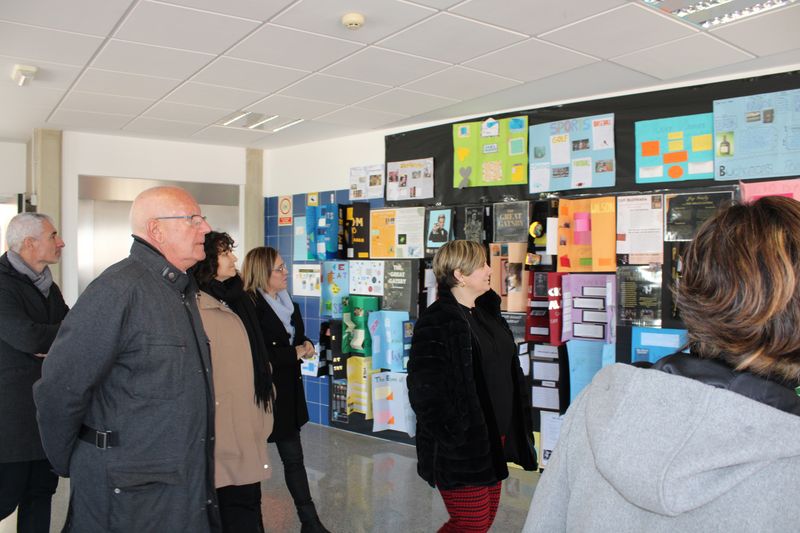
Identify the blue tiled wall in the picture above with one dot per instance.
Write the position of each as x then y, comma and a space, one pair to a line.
282, 239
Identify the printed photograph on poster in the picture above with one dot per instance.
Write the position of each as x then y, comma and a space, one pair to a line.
639, 298
575, 153
684, 213
511, 221
675, 149
757, 136
366, 182
409, 180
490, 152
471, 223
439, 229
366, 277
640, 229
397, 233
306, 279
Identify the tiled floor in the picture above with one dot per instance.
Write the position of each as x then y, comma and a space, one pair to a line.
360, 484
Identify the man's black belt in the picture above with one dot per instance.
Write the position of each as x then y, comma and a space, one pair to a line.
101, 439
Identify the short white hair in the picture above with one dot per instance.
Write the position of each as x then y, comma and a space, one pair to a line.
22, 226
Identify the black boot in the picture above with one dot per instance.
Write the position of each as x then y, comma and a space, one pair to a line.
309, 519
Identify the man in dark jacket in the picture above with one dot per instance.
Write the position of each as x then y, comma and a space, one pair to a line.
31, 311
125, 403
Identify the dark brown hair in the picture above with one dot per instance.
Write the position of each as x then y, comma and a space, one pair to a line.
738, 295
216, 243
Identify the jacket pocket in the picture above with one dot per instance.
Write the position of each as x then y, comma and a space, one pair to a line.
143, 493
158, 367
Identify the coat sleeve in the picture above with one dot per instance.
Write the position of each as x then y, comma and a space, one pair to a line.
430, 370
18, 330
81, 356
550, 504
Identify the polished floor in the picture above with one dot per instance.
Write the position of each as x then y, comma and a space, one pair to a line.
360, 484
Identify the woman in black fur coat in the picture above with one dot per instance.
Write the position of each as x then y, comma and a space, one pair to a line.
467, 389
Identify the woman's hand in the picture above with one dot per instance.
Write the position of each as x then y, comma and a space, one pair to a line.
310, 351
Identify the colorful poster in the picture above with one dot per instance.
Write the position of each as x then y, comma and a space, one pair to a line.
301, 244
355, 334
359, 386
306, 279
640, 229
511, 221
366, 182
397, 233
675, 149
750, 192
366, 277
684, 213
335, 287
490, 153
757, 136
587, 235
589, 307
577, 153
509, 279
386, 331
438, 230
651, 344
390, 406
409, 180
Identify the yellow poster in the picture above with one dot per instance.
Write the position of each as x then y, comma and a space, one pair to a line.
382, 230
359, 386
587, 235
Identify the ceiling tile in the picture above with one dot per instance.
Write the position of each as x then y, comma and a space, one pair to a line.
769, 33
406, 102
530, 17
384, 66
242, 74
161, 128
381, 18
105, 103
530, 60
69, 16
634, 27
46, 45
333, 90
306, 132
361, 118
186, 113
213, 96
83, 120
461, 83
292, 48
49, 75
223, 135
252, 9
123, 56
438, 4
449, 38
759, 66
178, 27
286, 106
30, 95
695, 53
122, 84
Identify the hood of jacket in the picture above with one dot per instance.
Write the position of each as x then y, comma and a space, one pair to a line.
670, 444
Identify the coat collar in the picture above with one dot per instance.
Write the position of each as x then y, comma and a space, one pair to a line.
206, 301
488, 301
153, 260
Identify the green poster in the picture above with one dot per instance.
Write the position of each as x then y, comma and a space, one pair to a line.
490, 153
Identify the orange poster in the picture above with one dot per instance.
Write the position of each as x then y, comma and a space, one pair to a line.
587, 235
382, 233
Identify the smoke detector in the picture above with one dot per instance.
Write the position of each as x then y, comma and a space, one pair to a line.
21, 74
353, 21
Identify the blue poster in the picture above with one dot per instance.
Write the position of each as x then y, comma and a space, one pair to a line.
757, 136
675, 149
301, 244
586, 358
572, 154
651, 344
335, 287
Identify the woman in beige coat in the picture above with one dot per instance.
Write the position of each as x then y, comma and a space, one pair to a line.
242, 387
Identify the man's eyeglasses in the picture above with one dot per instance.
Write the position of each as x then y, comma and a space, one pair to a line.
194, 220
281, 268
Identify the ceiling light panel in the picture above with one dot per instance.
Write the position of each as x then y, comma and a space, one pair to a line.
714, 13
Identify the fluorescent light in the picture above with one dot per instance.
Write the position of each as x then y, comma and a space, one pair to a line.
289, 125
712, 13
260, 122
237, 117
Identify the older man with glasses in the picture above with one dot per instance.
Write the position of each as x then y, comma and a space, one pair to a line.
125, 403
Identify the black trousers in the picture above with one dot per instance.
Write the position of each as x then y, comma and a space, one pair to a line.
291, 452
240, 508
29, 487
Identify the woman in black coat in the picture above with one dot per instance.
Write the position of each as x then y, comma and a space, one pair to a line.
265, 277
467, 389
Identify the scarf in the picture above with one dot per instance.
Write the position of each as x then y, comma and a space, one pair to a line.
284, 307
42, 280
231, 292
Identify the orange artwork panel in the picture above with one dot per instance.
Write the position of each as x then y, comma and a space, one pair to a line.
676, 157
650, 148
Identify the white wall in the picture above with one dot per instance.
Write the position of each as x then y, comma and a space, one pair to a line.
126, 157
12, 168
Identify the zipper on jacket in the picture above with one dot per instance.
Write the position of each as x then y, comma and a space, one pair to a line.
435, 457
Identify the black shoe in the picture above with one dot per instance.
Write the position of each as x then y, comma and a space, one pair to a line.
309, 519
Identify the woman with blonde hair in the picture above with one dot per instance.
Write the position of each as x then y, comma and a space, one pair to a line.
467, 389
705, 441
266, 279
